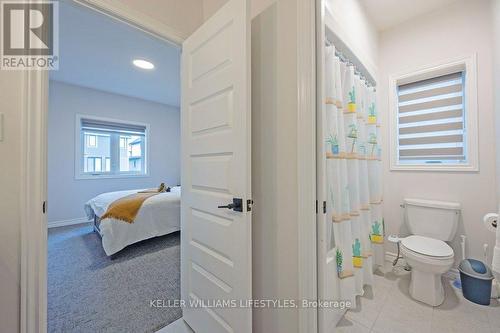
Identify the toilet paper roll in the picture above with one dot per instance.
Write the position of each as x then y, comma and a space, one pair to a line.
490, 221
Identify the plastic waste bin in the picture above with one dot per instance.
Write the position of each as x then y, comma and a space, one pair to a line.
476, 280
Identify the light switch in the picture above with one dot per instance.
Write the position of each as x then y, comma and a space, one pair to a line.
1, 127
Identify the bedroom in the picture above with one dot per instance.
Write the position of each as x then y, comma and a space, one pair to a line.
113, 131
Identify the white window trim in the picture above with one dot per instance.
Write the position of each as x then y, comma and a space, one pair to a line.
471, 112
79, 175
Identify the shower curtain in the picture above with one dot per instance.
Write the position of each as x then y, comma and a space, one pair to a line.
354, 196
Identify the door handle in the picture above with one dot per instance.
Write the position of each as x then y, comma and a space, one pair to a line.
236, 205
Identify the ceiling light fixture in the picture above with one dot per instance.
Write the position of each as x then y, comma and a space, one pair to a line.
144, 64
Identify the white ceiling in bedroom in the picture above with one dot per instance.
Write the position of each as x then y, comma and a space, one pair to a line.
386, 14
96, 51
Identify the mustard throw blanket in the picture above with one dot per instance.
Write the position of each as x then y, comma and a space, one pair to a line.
125, 209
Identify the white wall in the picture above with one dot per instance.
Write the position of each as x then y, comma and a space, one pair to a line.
274, 165
11, 103
211, 6
256, 6
67, 195
462, 28
184, 16
496, 74
264, 171
355, 28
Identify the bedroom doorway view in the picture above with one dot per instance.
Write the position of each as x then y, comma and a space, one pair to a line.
128, 251
113, 177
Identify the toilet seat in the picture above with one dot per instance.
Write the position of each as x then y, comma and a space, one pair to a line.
428, 247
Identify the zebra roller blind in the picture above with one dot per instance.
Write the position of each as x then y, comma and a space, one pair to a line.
431, 120
110, 126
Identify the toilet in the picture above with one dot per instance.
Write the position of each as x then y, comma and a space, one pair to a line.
431, 224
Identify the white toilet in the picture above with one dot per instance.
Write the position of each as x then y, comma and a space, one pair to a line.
432, 223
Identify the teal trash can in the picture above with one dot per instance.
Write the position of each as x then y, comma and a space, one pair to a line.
476, 279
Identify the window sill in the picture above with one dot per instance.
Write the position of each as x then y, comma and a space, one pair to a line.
434, 168
84, 177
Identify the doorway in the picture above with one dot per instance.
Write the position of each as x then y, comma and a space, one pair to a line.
230, 22
113, 133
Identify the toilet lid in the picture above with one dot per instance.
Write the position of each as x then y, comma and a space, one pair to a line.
427, 246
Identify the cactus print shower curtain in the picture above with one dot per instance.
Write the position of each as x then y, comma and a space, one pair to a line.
354, 196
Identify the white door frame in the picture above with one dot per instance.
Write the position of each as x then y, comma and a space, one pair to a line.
33, 182
306, 161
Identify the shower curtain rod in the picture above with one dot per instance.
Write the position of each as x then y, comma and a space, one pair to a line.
346, 60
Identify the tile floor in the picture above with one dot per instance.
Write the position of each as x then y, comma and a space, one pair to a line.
388, 308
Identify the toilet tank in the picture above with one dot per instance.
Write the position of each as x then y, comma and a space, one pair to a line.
435, 219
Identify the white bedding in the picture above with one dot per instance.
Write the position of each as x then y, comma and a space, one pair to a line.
159, 215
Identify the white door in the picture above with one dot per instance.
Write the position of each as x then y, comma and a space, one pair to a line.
216, 254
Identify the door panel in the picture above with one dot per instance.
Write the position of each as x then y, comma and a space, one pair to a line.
215, 129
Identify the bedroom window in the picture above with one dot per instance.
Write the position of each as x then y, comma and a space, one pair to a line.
110, 148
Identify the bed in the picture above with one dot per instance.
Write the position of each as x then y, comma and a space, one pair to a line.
158, 216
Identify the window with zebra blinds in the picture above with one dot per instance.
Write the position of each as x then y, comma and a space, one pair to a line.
434, 118
109, 148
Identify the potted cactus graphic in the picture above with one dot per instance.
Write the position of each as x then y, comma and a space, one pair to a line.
376, 236
356, 248
372, 115
353, 134
351, 105
357, 260
372, 139
339, 258
334, 144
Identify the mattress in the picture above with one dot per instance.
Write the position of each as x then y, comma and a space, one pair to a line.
158, 216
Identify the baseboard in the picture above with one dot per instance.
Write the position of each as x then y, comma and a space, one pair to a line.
62, 223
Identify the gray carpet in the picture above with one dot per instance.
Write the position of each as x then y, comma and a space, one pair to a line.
89, 292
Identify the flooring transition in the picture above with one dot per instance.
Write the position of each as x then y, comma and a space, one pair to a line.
89, 292
178, 326
387, 307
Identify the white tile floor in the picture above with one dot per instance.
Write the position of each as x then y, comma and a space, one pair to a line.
387, 307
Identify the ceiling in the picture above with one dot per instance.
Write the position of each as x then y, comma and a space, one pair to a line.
386, 14
96, 51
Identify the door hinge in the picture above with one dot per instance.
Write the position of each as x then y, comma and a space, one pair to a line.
249, 205
324, 207
44, 207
